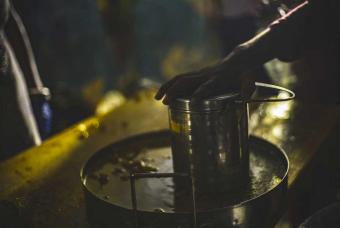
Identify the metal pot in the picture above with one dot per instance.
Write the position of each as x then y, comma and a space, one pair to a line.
113, 204
210, 140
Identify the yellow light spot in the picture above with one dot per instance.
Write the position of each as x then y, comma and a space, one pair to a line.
45, 160
83, 131
278, 131
276, 180
280, 110
110, 102
175, 127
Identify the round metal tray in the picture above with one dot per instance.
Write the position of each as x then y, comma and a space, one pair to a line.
107, 186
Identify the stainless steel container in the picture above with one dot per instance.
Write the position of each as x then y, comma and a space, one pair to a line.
212, 137
152, 202
210, 140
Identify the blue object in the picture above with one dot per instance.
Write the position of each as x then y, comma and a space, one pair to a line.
43, 115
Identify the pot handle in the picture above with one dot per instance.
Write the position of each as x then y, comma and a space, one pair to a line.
273, 87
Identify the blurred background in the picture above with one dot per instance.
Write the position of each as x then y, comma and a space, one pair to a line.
92, 51
94, 55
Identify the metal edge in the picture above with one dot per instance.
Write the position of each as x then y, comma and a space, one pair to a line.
284, 180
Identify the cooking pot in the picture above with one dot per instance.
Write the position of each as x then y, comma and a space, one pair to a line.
210, 140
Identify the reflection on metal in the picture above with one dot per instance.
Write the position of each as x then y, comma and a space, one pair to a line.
163, 204
215, 132
58, 202
280, 110
268, 121
239, 216
278, 131
281, 73
136, 176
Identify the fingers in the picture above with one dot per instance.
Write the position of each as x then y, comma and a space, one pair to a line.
166, 100
165, 87
186, 85
216, 86
162, 90
181, 88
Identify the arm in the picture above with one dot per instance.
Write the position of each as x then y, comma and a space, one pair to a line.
286, 38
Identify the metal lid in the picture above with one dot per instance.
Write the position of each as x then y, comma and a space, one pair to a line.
210, 104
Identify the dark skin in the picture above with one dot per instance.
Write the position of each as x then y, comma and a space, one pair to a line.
305, 28
231, 74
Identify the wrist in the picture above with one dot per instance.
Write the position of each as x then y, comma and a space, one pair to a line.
237, 61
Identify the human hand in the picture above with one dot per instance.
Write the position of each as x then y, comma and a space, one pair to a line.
211, 81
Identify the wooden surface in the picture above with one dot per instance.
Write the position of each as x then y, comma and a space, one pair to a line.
44, 181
